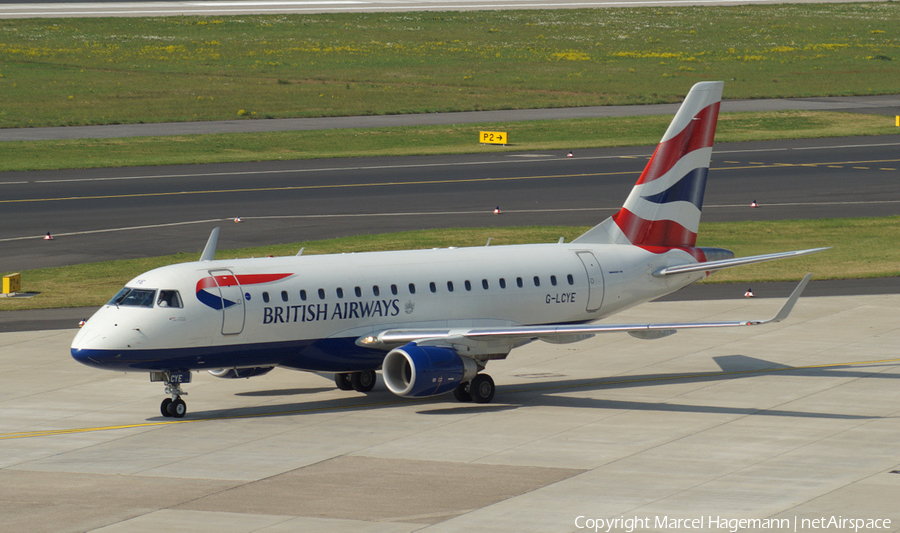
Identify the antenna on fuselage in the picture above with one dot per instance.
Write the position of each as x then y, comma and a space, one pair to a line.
210, 251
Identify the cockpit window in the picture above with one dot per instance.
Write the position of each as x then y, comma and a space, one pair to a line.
129, 297
169, 299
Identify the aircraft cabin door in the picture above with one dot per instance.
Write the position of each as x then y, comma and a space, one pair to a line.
595, 280
232, 301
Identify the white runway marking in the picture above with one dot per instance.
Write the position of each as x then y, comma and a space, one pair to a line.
610, 210
143, 9
431, 165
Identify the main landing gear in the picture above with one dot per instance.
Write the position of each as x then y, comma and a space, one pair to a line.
363, 381
479, 390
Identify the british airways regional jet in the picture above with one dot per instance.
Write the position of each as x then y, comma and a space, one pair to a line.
430, 320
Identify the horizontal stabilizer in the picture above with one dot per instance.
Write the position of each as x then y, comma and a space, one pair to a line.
711, 266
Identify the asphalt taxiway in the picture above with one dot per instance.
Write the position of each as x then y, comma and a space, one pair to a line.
796, 420
107, 214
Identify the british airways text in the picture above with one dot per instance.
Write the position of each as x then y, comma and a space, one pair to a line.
340, 311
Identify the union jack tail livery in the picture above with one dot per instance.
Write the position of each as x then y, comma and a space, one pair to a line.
664, 206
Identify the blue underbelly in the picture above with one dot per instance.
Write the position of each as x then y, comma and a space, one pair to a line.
323, 355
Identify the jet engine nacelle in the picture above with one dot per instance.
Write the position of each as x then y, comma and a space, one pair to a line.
238, 373
413, 370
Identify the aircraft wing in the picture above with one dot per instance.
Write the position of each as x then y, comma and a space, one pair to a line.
556, 333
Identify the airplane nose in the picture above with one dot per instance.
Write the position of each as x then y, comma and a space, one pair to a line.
81, 345
85, 336
82, 356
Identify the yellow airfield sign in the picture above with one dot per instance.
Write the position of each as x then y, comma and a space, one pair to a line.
493, 137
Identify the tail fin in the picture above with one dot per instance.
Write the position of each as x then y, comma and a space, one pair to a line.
664, 206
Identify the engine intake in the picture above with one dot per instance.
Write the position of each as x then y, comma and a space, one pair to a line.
413, 370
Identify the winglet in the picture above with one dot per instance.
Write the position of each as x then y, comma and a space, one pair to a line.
789, 304
210, 251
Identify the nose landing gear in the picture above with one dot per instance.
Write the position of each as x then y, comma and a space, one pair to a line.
173, 407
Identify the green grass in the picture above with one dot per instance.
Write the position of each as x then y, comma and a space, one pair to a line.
531, 135
128, 70
862, 248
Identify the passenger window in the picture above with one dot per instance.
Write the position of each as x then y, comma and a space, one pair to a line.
303, 295
284, 296
321, 294
502, 283
357, 291
432, 286
394, 289
412, 288
450, 286
340, 292
519, 282
570, 279
537, 281
553, 280
169, 299
266, 297
375, 290
484, 284
468, 285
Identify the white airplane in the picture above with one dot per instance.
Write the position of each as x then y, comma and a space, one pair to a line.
429, 319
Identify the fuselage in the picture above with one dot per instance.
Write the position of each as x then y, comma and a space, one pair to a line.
306, 312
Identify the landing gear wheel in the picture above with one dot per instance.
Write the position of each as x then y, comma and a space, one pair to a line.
164, 407
173, 406
481, 389
342, 380
363, 381
177, 408
461, 392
